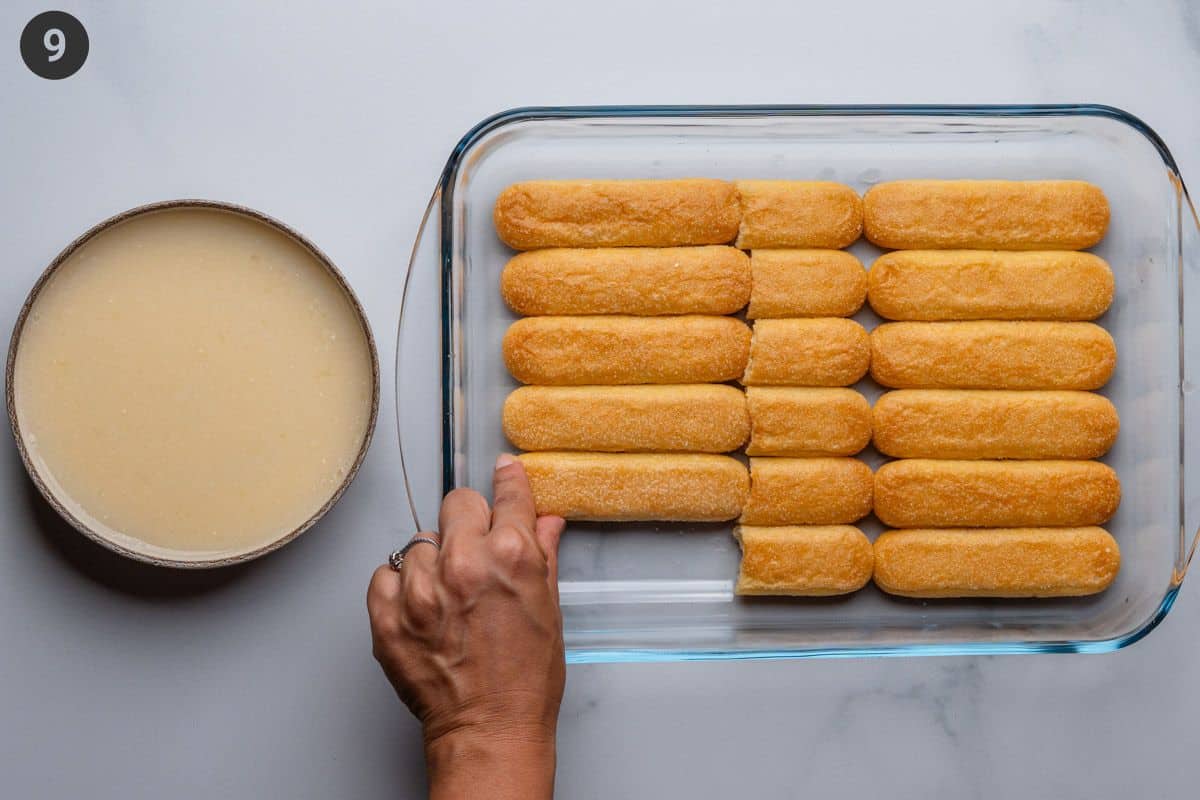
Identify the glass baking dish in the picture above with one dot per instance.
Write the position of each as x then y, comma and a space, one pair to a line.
654, 591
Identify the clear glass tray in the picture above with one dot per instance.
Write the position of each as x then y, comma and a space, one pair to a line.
636, 592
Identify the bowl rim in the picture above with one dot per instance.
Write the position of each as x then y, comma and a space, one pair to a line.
52, 497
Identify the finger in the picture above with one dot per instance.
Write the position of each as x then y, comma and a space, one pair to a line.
548, 533
422, 608
512, 499
383, 594
464, 515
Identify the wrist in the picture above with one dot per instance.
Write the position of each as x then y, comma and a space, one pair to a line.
492, 761
474, 745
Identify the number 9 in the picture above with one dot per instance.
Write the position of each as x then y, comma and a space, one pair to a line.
55, 43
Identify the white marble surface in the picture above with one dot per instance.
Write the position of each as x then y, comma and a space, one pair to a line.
118, 682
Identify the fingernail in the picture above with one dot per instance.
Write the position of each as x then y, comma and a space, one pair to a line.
504, 460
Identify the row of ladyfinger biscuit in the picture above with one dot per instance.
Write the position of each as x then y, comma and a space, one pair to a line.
659, 281
609, 350
698, 418
1011, 215
930, 562
668, 213
612, 350
910, 493
689, 487
902, 285
803, 421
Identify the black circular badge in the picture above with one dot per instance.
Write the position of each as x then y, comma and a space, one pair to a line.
54, 45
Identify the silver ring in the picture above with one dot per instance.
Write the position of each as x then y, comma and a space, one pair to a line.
396, 559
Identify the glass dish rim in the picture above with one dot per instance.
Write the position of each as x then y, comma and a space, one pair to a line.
441, 208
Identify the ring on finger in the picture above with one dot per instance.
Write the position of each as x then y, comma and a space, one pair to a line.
396, 559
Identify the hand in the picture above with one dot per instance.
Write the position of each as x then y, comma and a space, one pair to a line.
471, 638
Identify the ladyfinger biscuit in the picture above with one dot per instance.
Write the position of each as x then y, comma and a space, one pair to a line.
921, 493
701, 418
627, 280
798, 214
810, 561
621, 350
807, 491
807, 352
617, 213
789, 421
992, 355
985, 215
806, 283
951, 423
990, 284
625, 487
996, 562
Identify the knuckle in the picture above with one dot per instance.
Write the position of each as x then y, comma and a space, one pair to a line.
382, 596
463, 571
390, 654
421, 599
386, 628
466, 498
382, 590
510, 546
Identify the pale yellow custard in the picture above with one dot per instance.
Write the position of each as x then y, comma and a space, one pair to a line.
193, 381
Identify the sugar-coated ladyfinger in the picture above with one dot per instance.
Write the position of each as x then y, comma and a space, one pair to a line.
701, 418
807, 352
791, 421
985, 215
996, 562
992, 355
922, 493
627, 280
617, 213
965, 423
798, 214
807, 491
804, 560
638, 486
990, 284
806, 283
622, 350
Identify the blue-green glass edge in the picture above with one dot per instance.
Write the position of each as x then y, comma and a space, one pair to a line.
637, 655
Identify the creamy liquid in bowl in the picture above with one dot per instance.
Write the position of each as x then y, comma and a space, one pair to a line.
193, 383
